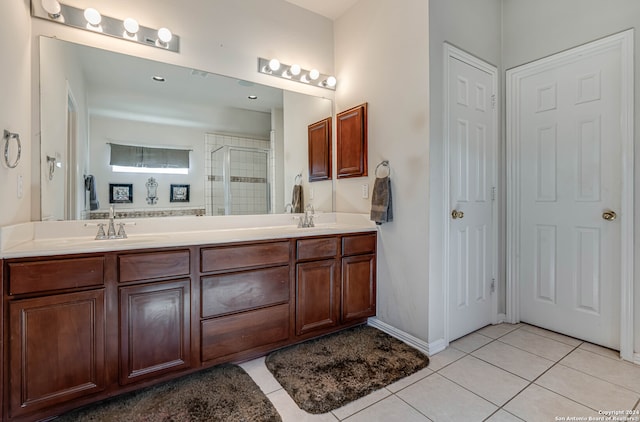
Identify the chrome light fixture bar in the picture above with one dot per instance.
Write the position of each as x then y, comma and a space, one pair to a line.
294, 72
91, 20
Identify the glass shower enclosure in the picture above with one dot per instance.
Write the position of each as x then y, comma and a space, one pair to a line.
240, 181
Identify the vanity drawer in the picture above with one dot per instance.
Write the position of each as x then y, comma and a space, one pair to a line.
326, 247
244, 256
146, 266
39, 276
359, 244
225, 336
230, 293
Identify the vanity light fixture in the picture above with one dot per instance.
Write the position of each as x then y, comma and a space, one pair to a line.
294, 72
90, 19
131, 27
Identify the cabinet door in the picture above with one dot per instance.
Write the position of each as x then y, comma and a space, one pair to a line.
352, 153
57, 349
317, 295
358, 287
154, 329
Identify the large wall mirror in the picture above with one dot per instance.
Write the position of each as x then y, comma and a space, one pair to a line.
247, 143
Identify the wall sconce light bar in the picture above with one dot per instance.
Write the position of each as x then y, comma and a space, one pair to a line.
294, 72
53, 10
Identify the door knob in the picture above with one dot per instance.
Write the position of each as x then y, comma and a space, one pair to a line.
455, 214
609, 215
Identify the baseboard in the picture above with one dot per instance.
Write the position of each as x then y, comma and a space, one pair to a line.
636, 358
427, 348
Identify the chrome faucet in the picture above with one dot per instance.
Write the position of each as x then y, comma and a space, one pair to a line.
307, 219
111, 229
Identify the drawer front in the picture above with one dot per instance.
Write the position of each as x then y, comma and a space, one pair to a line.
327, 247
243, 291
360, 244
239, 333
145, 266
29, 277
244, 256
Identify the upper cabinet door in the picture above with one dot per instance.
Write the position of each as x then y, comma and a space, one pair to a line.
320, 150
352, 142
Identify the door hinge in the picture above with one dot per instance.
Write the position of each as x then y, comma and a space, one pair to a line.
493, 193
493, 285
493, 101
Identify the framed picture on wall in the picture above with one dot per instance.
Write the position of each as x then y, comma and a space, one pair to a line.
120, 193
179, 193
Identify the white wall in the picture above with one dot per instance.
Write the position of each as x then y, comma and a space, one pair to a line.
299, 112
533, 30
15, 108
382, 57
473, 26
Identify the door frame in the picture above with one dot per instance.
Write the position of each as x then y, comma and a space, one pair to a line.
624, 42
451, 51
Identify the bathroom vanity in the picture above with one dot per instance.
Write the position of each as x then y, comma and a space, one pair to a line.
85, 320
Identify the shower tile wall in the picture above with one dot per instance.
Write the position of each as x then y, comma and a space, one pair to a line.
247, 170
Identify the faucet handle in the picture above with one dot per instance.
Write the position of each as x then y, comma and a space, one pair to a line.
121, 233
101, 235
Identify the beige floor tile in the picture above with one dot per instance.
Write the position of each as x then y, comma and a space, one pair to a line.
362, 403
407, 381
389, 409
514, 360
538, 404
290, 412
618, 372
552, 335
470, 342
503, 416
442, 400
536, 344
498, 330
587, 390
444, 358
603, 351
261, 375
487, 381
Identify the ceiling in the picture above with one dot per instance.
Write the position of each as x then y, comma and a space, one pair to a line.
332, 9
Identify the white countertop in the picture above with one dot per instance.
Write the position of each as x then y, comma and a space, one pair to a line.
71, 237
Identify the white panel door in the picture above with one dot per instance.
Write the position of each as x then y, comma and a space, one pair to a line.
569, 119
472, 145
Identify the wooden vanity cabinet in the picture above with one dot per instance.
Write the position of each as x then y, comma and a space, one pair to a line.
317, 284
245, 299
81, 328
358, 277
56, 340
155, 314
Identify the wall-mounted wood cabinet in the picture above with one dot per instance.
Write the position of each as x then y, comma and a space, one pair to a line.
352, 155
320, 150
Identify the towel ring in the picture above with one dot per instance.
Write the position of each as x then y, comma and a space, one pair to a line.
8, 136
385, 164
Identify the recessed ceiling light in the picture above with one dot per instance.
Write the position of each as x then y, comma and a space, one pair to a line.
158, 78
253, 97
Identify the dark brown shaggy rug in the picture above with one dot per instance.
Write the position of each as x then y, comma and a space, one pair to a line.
223, 393
326, 373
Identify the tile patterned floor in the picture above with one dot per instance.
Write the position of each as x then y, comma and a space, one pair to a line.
499, 373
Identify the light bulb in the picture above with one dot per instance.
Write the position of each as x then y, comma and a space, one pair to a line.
331, 81
274, 64
164, 35
131, 26
295, 69
314, 74
52, 7
92, 16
